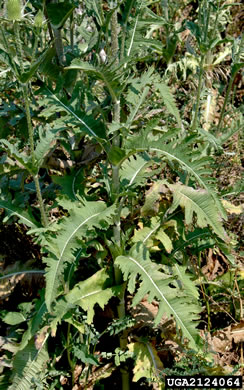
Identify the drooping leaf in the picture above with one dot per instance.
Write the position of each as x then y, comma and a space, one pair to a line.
200, 203
83, 217
188, 159
169, 101
44, 145
27, 365
132, 171
172, 298
25, 216
110, 75
147, 363
85, 294
92, 127
34, 324
90, 292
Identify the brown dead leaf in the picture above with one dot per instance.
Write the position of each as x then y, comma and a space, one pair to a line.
39, 339
77, 372
216, 265
237, 332
221, 345
63, 380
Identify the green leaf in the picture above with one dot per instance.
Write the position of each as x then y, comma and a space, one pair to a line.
22, 158
78, 325
24, 216
195, 30
6, 59
115, 155
151, 205
81, 353
90, 292
34, 323
44, 145
85, 294
147, 362
58, 14
27, 75
165, 240
236, 67
137, 104
172, 299
132, 172
199, 202
28, 364
14, 318
169, 101
185, 278
185, 156
110, 75
87, 123
83, 217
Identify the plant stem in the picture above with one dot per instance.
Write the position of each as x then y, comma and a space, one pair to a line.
71, 364
205, 295
114, 37
115, 192
72, 32
58, 43
29, 126
32, 151
199, 89
232, 78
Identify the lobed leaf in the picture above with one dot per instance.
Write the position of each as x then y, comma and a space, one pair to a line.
28, 364
200, 203
83, 217
172, 299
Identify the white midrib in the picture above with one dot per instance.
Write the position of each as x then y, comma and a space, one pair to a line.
19, 215
33, 361
70, 237
211, 222
163, 297
136, 173
87, 295
151, 232
72, 113
187, 167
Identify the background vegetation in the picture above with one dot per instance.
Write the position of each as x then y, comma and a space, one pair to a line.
121, 133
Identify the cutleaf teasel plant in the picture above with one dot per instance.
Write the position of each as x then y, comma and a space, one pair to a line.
127, 191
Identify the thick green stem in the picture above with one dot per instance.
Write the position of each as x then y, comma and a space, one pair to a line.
32, 151
72, 32
29, 125
58, 42
18, 46
71, 363
114, 37
59, 45
199, 89
115, 192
